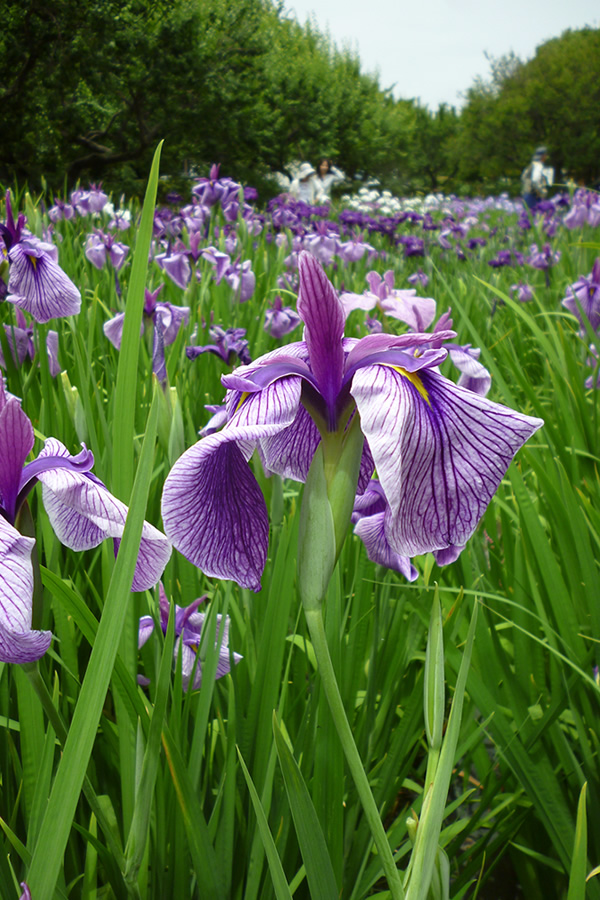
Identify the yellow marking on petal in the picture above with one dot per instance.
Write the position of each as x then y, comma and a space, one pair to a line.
33, 261
414, 380
244, 397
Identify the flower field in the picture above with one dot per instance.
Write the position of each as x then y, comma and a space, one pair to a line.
299, 541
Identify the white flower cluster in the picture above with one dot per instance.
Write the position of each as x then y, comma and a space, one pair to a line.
369, 200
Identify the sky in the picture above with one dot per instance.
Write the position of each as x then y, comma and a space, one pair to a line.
434, 49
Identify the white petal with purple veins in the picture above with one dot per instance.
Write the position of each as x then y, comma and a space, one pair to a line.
440, 452
475, 377
213, 509
18, 643
83, 513
38, 284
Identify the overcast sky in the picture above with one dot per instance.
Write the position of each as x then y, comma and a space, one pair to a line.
434, 49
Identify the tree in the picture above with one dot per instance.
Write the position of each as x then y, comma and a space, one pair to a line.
552, 99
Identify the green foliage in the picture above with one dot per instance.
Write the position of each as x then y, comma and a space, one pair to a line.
528, 737
551, 99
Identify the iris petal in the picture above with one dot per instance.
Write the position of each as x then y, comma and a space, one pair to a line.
371, 531
323, 315
439, 458
16, 442
39, 285
213, 509
83, 513
18, 643
214, 512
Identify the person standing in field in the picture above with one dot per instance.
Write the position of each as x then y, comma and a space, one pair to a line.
536, 178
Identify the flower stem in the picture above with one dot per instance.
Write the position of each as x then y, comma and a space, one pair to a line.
314, 619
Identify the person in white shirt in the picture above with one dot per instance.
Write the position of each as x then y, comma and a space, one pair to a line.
327, 175
303, 186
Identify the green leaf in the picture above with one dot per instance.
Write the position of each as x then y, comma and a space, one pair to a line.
280, 885
50, 846
577, 877
127, 375
424, 855
201, 850
313, 847
138, 833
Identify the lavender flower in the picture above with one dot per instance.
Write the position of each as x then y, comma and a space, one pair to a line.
440, 451
188, 632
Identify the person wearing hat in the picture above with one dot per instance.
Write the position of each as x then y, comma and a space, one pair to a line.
536, 178
303, 186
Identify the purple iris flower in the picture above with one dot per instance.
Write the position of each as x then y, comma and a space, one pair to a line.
217, 420
502, 258
166, 319
21, 345
229, 344
440, 451
100, 246
417, 312
188, 632
280, 320
36, 283
373, 325
577, 215
213, 189
419, 277
26, 895
355, 249
82, 513
544, 258
323, 242
413, 246
241, 279
174, 261
90, 202
474, 375
523, 292
583, 298
61, 210
443, 239
219, 261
